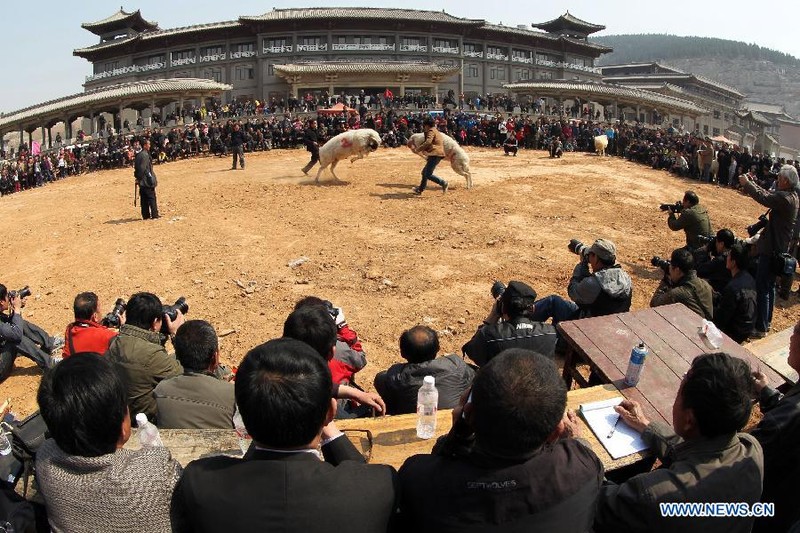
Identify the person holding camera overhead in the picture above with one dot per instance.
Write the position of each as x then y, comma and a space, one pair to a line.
693, 219
89, 333
139, 350
775, 237
605, 290
20, 337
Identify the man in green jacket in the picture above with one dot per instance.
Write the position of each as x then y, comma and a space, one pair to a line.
681, 285
139, 351
693, 220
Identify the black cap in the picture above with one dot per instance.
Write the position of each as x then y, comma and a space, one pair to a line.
518, 289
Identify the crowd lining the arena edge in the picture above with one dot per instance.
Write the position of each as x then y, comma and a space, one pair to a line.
513, 460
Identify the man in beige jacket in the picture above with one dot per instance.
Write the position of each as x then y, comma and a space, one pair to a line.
433, 148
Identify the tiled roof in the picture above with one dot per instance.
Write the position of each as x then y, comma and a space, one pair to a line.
636, 65
189, 29
645, 78
82, 101
543, 35
104, 45
567, 20
333, 67
360, 13
118, 19
591, 88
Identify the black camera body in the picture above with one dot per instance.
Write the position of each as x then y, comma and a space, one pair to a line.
112, 319
752, 229
497, 290
707, 239
172, 310
23, 293
677, 207
661, 263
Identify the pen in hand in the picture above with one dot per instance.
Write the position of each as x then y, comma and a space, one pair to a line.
614, 428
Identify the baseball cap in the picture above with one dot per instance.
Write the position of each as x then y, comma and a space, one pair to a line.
604, 249
518, 289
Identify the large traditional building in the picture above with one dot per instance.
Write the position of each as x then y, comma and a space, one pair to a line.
295, 51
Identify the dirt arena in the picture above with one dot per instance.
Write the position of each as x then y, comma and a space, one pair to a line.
390, 259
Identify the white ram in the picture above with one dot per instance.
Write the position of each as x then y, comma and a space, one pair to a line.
354, 144
600, 144
458, 158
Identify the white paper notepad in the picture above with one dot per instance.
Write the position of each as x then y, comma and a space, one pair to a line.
601, 417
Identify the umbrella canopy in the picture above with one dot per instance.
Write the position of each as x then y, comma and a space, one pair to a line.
338, 108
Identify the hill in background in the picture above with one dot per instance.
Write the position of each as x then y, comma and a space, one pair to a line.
763, 75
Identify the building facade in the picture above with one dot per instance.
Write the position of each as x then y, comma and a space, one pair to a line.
287, 52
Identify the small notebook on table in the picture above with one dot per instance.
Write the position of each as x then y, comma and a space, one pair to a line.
618, 438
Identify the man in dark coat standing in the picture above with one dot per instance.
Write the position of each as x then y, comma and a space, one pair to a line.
311, 140
147, 181
237, 145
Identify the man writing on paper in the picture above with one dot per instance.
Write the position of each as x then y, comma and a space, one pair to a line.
704, 460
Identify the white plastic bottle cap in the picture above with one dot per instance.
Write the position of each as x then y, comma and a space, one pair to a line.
141, 419
430, 380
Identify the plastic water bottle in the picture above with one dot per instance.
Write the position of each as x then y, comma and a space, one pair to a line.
638, 355
427, 403
148, 432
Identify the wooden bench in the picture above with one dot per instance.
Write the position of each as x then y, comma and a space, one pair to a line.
773, 350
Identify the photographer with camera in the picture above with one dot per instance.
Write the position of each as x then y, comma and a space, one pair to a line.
735, 310
693, 219
714, 269
20, 337
775, 237
139, 350
89, 333
681, 285
598, 286
510, 325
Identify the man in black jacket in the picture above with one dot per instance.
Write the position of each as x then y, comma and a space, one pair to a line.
147, 181
237, 145
283, 482
714, 267
735, 312
509, 464
311, 140
509, 325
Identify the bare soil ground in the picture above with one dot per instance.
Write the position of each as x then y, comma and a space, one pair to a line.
390, 259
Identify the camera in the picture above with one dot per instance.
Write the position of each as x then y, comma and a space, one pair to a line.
172, 310
707, 239
577, 247
497, 290
112, 319
23, 293
677, 207
661, 263
752, 229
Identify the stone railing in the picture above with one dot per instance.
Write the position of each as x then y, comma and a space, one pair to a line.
370, 47
445, 49
183, 61
522, 59
277, 49
472, 53
213, 57
151, 66
243, 54
312, 47
498, 57
121, 71
413, 48
563, 64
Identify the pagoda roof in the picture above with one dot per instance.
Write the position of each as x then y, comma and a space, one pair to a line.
568, 21
120, 20
349, 13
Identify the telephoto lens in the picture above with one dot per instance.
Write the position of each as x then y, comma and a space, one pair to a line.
172, 310
497, 290
663, 264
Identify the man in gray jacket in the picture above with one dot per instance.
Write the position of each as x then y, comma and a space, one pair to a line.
605, 290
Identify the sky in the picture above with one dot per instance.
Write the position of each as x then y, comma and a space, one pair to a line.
39, 64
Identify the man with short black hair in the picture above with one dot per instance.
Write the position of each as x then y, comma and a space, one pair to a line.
681, 285
510, 325
196, 399
139, 351
713, 265
606, 290
705, 459
87, 334
301, 474
735, 313
433, 149
146, 179
20, 337
509, 463
398, 385
237, 141
693, 220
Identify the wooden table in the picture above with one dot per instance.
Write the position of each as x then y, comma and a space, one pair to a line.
394, 438
774, 351
671, 333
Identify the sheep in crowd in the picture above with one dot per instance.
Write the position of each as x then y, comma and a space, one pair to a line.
600, 144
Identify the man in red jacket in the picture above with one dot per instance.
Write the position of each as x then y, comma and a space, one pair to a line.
87, 334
